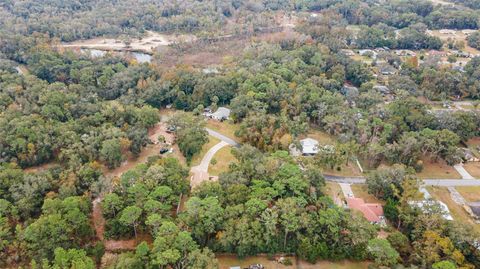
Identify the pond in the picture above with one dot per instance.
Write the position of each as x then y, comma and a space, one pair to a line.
139, 56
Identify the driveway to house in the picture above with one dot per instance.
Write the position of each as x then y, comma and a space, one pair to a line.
462, 171
427, 182
347, 190
200, 172
222, 137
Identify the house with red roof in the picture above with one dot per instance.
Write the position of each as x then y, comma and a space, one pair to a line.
371, 211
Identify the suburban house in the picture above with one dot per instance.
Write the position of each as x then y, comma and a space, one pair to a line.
425, 206
447, 32
348, 52
221, 114
371, 211
368, 52
475, 207
384, 90
387, 69
309, 146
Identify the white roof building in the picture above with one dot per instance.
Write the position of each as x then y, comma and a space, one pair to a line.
309, 146
222, 113
425, 205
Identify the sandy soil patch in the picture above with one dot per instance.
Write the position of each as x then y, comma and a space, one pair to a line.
147, 44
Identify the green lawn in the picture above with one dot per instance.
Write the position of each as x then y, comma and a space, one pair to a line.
458, 213
226, 128
223, 157
198, 158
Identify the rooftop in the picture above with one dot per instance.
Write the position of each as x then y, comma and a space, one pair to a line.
309, 146
372, 212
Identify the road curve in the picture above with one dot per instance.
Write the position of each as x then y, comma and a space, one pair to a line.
222, 137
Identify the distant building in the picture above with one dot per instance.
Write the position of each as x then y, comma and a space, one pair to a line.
371, 211
475, 207
425, 204
349, 90
387, 70
468, 32
368, 52
221, 114
384, 90
309, 146
439, 53
447, 32
348, 52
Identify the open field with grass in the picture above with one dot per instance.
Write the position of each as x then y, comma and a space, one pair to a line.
350, 170
470, 193
226, 261
458, 36
457, 212
334, 191
322, 137
473, 168
361, 191
474, 145
438, 170
226, 128
212, 141
223, 158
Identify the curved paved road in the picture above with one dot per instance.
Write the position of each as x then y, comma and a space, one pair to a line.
222, 137
360, 180
200, 172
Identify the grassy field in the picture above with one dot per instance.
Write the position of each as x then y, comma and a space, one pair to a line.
458, 213
226, 261
351, 170
438, 170
322, 137
198, 158
361, 191
459, 36
472, 144
470, 193
334, 191
473, 168
223, 157
226, 128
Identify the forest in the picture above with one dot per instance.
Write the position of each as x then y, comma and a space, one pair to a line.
80, 116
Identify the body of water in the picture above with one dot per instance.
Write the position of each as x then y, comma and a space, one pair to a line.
139, 56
